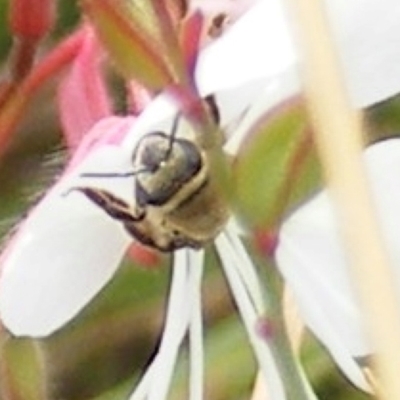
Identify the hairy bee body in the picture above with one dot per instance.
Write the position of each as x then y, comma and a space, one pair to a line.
177, 202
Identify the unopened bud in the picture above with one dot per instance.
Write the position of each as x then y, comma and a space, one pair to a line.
31, 19
266, 241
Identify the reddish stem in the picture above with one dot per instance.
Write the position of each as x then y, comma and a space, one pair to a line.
16, 98
190, 36
53, 62
22, 57
168, 33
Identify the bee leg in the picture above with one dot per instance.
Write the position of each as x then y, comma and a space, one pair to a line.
112, 205
212, 106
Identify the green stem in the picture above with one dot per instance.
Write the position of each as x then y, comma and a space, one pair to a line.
278, 339
22, 369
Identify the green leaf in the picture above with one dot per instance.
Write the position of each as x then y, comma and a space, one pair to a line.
153, 16
276, 166
130, 43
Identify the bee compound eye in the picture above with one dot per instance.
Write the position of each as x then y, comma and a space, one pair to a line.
151, 151
157, 186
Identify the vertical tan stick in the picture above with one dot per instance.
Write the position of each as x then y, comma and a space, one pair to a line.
339, 141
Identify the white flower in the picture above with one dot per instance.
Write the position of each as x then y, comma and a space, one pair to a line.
312, 258
67, 249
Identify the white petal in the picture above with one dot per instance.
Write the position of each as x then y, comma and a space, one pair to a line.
157, 116
383, 166
176, 327
187, 272
313, 263
312, 258
257, 46
247, 272
232, 264
368, 36
196, 345
64, 253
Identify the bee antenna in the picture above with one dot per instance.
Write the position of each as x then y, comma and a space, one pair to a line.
172, 136
112, 174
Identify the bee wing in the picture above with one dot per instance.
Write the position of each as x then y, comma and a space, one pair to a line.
65, 251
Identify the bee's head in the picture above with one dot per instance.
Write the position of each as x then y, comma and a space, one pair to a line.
166, 164
153, 151
163, 164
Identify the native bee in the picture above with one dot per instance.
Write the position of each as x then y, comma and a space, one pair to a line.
177, 202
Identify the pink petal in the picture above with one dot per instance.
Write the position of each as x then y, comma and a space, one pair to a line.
108, 131
82, 96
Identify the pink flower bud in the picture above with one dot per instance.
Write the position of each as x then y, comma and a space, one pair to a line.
31, 18
266, 241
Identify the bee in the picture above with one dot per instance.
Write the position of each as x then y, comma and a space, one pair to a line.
177, 201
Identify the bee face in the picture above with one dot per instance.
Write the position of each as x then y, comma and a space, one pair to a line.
176, 200
167, 167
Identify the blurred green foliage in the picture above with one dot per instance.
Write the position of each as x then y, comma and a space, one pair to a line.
277, 166
5, 39
101, 353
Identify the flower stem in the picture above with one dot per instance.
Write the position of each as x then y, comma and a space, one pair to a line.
21, 359
270, 342
274, 330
